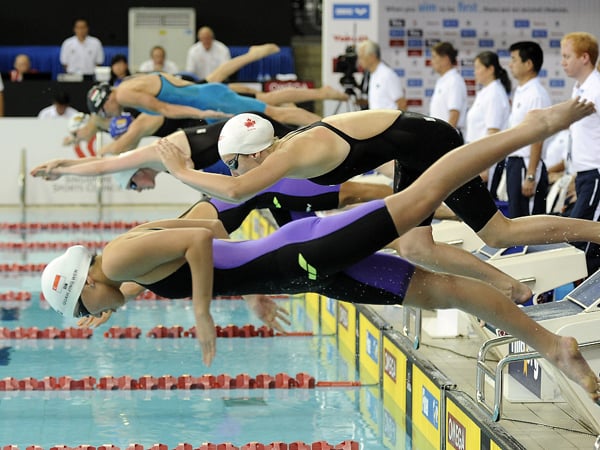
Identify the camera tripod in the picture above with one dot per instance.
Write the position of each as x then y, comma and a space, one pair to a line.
352, 102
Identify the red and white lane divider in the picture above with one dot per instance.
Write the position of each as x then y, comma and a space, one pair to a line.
50, 245
45, 333
19, 296
133, 332
229, 331
61, 226
298, 445
281, 380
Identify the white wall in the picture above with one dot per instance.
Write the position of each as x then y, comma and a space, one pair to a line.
41, 140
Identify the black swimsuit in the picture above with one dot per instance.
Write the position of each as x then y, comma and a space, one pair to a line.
414, 141
327, 255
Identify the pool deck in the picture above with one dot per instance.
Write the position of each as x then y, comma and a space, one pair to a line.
541, 425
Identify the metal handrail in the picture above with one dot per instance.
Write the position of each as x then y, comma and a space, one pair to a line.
483, 369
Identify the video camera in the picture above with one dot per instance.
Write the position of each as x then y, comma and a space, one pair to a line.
346, 64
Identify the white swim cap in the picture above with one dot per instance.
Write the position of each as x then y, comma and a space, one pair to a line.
123, 178
245, 133
63, 280
77, 121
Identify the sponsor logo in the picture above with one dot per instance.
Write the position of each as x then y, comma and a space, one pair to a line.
311, 272
343, 315
430, 407
389, 364
345, 11
58, 284
457, 433
450, 23
372, 344
330, 306
554, 43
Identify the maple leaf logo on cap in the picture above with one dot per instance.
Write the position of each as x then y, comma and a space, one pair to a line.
249, 123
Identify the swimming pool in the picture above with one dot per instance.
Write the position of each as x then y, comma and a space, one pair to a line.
123, 417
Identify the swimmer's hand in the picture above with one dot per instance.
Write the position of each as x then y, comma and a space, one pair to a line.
173, 158
48, 171
268, 311
93, 321
207, 337
212, 114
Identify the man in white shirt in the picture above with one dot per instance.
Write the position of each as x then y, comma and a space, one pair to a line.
81, 53
60, 108
449, 99
385, 90
526, 174
579, 55
206, 55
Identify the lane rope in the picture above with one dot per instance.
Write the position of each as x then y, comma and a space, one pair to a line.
281, 380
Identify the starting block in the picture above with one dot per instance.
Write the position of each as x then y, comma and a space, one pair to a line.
448, 323
577, 315
541, 267
456, 233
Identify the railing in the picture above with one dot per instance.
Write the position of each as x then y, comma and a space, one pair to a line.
496, 375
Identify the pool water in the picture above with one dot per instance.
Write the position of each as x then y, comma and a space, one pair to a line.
123, 417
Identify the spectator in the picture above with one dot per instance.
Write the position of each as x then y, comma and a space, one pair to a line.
557, 156
81, 53
60, 107
21, 66
384, 89
579, 52
119, 69
490, 110
158, 62
449, 100
207, 54
526, 174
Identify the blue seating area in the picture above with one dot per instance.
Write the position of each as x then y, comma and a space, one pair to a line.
45, 58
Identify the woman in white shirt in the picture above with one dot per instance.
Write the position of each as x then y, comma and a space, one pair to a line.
490, 110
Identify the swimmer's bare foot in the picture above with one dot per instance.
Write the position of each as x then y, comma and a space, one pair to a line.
521, 293
559, 116
329, 93
570, 361
261, 51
